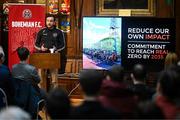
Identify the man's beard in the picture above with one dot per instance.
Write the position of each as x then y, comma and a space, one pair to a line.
50, 26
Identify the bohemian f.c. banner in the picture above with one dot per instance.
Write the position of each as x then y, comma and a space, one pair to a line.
25, 20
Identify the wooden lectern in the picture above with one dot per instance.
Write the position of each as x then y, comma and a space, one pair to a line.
45, 61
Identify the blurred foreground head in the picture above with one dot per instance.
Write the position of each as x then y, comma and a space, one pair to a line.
58, 104
116, 73
14, 113
169, 82
139, 72
91, 80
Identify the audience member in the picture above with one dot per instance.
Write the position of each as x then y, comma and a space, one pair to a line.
23, 70
171, 58
115, 93
168, 92
90, 81
139, 87
58, 104
5, 78
28, 76
14, 113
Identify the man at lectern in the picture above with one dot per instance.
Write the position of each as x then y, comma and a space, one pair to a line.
50, 39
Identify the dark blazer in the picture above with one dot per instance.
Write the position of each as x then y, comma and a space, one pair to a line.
93, 110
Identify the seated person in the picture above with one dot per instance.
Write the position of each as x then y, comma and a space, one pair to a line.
23, 70
26, 83
91, 108
168, 92
139, 87
58, 104
115, 93
5, 78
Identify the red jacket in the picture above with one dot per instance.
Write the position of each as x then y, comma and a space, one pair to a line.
117, 96
168, 108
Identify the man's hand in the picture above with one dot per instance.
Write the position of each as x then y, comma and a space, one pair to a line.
43, 48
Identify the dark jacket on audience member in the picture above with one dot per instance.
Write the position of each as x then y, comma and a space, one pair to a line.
117, 96
6, 82
142, 91
27, 91
26, 72
26, 96
93, 110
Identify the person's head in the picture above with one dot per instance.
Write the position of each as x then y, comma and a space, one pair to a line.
58, 104
91, 81
138, 72
168, 83
50, 21
116, 73
14, 113
2, 55
23, 53
171, 58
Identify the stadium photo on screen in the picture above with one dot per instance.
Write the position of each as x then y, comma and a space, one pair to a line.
101, 42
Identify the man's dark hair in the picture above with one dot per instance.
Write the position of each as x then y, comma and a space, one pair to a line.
91, 81
139, 72
23, 53
49, 15
58, 104
116, 73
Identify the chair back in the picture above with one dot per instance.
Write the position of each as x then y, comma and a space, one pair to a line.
26, 96
22, 92
41, 106
3, 99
